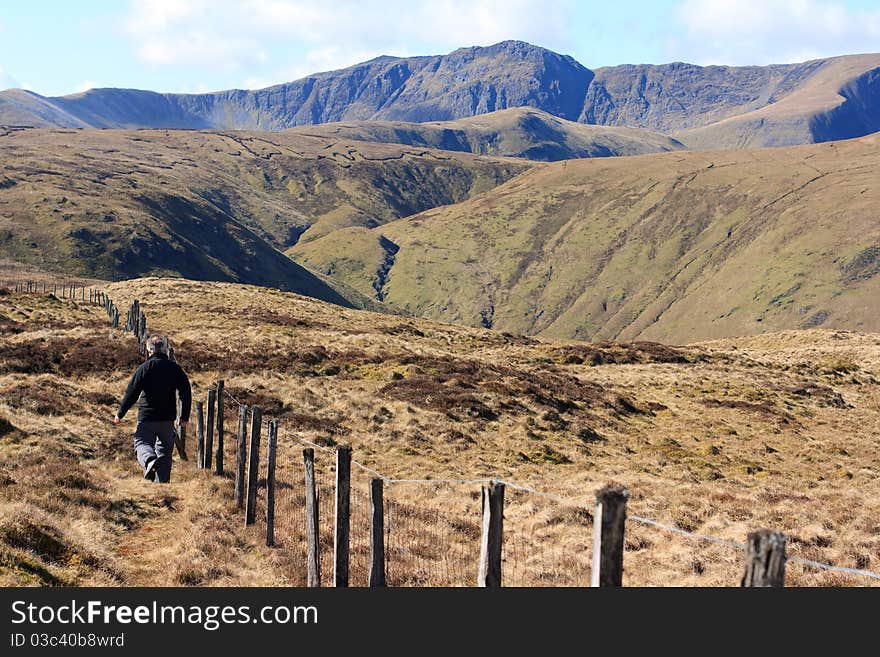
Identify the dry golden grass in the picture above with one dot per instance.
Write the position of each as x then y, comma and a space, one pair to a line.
718, 438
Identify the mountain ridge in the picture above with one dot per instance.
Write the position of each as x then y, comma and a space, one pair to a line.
683, 100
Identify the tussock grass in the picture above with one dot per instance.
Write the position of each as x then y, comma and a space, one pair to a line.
718, 438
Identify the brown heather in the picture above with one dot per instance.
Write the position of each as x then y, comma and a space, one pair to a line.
719, 438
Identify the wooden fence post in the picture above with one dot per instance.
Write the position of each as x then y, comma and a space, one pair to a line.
240, 456
250, 515
271, 447
181, 432
492, 535
313, 559
377, 534
209, 427
343, 509
200, 435
143, 337
765, 559
608, 529
218, 458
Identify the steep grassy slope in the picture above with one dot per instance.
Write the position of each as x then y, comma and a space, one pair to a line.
718, 438
776, 105
519, 132
210, 205
26, 108
675, 247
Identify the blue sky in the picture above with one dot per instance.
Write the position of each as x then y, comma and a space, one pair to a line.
60, 47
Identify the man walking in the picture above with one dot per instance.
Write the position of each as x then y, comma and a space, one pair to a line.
153, 386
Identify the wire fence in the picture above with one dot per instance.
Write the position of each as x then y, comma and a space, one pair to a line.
432, 528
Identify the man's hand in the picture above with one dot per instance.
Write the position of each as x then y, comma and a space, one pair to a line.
116, 419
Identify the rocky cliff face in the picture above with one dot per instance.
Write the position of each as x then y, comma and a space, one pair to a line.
679, 96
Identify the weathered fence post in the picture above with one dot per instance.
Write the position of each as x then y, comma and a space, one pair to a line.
492, 535
218, 457
343, 509
313, 558
200, 435
765, 559
608, 529
271, 447
209, 427
142, 337
250, 515
377, 534
181, 431
240, 456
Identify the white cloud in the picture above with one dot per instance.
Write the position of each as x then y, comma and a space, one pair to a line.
764, 32
238, 35
85, 85
7, 81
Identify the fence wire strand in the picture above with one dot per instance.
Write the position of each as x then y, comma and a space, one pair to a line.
402, 528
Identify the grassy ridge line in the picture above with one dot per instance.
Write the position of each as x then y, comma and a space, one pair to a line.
518, 132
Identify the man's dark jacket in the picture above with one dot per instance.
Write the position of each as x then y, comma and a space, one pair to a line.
155, 382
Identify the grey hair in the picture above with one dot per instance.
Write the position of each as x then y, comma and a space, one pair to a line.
157, 343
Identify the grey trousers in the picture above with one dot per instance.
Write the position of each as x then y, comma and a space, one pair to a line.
155, 440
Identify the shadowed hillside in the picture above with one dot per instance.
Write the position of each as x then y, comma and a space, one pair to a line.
672, 247
837, 98
716, 438
215, 206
